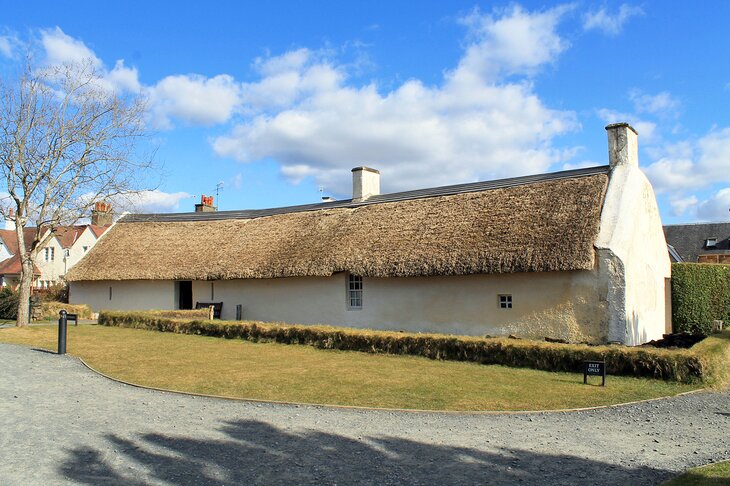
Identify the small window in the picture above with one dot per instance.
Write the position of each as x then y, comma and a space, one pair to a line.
354, 292
66, 252
53, 253
85, 248
46, 253
711, 242
505, 301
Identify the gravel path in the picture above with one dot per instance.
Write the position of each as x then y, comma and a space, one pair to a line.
60, 423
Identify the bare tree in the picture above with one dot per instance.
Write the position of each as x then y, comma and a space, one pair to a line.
67, 140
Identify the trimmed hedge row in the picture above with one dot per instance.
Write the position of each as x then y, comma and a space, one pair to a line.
700, 294
679, 365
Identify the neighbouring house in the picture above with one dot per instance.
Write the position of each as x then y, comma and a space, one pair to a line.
699, 242
577, 255
65, 248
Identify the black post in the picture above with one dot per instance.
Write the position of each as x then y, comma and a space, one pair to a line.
62, 323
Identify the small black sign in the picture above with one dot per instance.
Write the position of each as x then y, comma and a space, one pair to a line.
594, 368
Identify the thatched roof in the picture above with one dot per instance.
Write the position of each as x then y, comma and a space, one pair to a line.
543, 224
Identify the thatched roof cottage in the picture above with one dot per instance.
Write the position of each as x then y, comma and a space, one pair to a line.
577, 255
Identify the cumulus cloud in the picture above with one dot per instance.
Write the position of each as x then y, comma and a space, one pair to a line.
645, 128
610, 23
661, 104
305, 114
194, 99
156, 201
716, 208
61, 48
8, 46
692, 164
512, 41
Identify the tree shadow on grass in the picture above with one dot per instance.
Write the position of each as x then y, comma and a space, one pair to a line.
257, 453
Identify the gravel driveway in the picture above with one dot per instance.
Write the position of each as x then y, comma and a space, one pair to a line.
60, 423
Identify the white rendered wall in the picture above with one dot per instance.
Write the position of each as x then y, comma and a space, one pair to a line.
52, 269
633, 256
125, 294
564, 305
76, 252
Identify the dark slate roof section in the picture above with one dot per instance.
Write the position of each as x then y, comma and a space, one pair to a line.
383, 198
689, 239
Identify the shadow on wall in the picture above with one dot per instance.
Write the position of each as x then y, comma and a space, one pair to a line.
255, 452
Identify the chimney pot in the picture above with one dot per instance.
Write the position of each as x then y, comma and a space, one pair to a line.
365, 183
623, 145
206, 205
102, 214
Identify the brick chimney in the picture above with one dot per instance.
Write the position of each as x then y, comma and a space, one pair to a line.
102, 214
10, 219
365, 183
206, 205
623, 145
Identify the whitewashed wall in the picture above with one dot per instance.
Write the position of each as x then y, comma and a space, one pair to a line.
86, 240
563, 305
54, 268
125, 294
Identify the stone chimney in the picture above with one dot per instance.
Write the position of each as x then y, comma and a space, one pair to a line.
206, 205
365, 183
101, 215
623, 145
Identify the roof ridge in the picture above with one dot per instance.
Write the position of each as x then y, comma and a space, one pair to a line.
379, 199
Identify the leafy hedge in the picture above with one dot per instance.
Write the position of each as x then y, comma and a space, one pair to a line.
700, 294
678, 365
9, 303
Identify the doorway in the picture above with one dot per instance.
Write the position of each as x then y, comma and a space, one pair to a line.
185, 295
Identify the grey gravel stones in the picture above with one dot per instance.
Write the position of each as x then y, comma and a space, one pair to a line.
62, 424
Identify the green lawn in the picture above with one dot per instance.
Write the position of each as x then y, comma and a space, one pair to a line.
296, 373
712, 475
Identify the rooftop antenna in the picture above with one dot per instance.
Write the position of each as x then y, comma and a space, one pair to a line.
218, 188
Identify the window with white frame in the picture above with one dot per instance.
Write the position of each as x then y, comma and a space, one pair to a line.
354, 292
711, 242
505, 301
49, 254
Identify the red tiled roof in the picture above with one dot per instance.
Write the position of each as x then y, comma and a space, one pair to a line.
12, 266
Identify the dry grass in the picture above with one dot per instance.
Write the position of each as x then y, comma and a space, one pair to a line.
50, 310
514, 229
272, 371
712, 475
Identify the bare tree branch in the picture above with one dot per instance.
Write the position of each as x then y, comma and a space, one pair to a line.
66, 142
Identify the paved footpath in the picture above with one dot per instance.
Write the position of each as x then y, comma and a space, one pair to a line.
62, 424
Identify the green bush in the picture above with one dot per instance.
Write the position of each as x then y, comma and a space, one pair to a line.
9, 303
700, 294
680, 365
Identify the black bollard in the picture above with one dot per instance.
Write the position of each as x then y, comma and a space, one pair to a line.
62, 323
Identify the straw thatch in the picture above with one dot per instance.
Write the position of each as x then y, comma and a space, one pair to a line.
542, 226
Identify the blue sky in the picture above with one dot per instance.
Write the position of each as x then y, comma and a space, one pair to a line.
280, 99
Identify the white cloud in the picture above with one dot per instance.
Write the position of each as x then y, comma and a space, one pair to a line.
156, 201
193, 98
716, 208
646, 129
475, 125
692, 164
61, 48
682, 205
515, 42
661, 104
8, 46
610, 24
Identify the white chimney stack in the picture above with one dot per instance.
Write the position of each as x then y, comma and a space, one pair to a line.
365, 183
623, 145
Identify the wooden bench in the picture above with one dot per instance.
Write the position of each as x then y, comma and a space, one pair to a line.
217, 308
